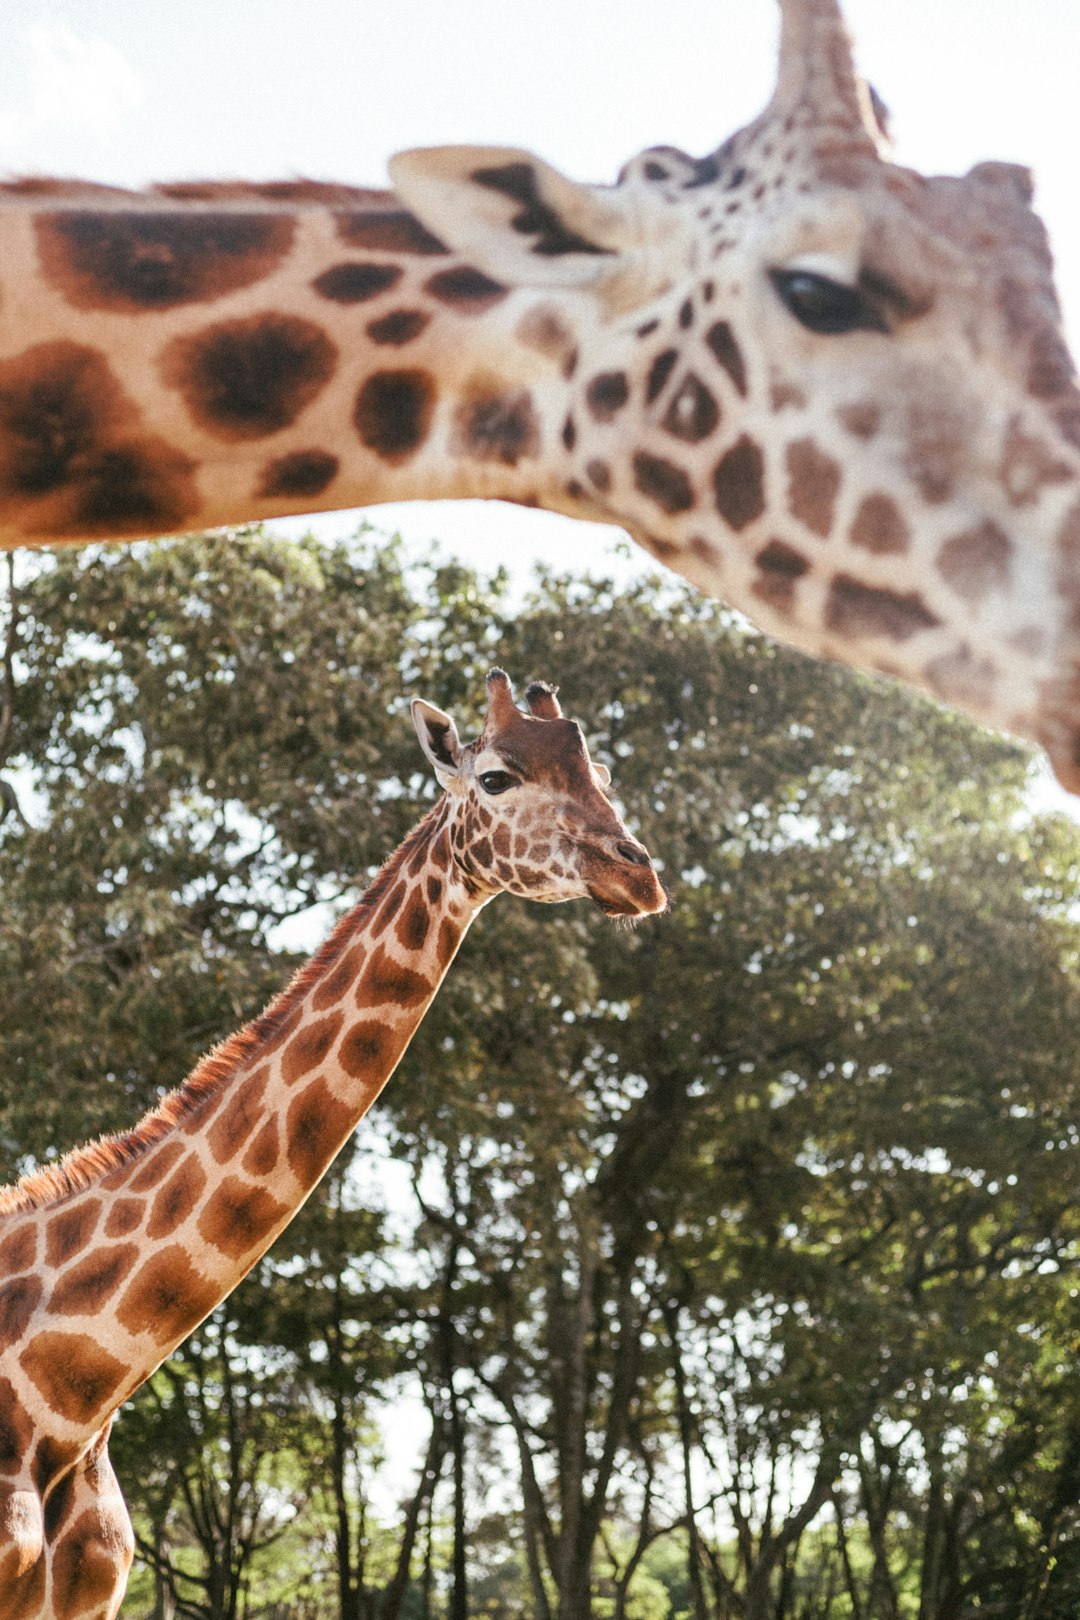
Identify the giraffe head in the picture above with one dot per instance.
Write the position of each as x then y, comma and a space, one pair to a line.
821, 385
528, 808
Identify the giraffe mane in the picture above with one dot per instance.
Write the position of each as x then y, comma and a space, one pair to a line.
294, 193
84, 1166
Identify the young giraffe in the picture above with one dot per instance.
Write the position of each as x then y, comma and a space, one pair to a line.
817, 384
110, 1259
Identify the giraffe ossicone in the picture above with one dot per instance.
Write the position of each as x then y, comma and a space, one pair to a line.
813, 382
111, 1258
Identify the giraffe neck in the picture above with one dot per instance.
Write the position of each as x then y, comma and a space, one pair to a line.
108, 1278
209, 355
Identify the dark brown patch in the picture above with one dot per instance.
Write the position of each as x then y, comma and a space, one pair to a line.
317, 1124
721, 340
356, 283
400, 326
496, 427
18, 1252
22, 1583
156, 1167
693, 412
878, 527
481, 852
659, 372
88, 1564
240, 1115
74, 1376
339, 980
68, 431
386, 231
84, 1288
466, 289
308, 1048
861, 420
501, 839
781, 565
976, 562
739, 483
18, 1302
663, 483
262, 1155
124, 1216
1050, 367
58, 1505
813, 482
16, 1429
393, 413
71, 1231
553, 237
298, 475
167, 1297
368, 1050
238, 1216
599, 474
569, 433
388, 910
607, 394
858, 610
385, 980
50, 1459
414, 922
245, 379
179, 1195
129, 262
434, 890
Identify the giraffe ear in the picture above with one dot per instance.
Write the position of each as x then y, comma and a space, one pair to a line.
602, 772
516, 217
438, 738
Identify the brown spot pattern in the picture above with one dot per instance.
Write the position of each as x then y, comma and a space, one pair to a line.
497, 427
414, 922
386, 980
298, 475
18, 1302
663, 482
317, 1124
739, 484
599, 474
123, 1217
721, 340
855, 609
465, 289
67, 1233
85, 1567
861, 420
339, 980
813, 483
156, 1167
245, 379
85, 1287
368, 1050
177, 1198
659, 372
879, 528
607, 394
781, 565
308, 1048
693, 412
71, 1372
68, 430
16, 1429
393, 413
17, 1252
166, 1297
262, 1155
132, 262
238, 1216
976, 562
386, 231
356, 283
399, 327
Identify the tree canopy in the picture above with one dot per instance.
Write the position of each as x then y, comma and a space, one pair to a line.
725, 1267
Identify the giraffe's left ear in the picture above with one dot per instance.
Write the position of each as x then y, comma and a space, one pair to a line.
438, 738
516, 217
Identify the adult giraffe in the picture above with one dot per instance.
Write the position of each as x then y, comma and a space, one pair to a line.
812, 382
109, 1260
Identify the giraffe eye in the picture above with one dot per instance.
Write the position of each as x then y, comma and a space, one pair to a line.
495, 782
826, 306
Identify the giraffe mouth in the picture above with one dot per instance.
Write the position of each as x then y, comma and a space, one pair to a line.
626, 885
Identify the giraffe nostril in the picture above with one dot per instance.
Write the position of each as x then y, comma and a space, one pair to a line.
637, 854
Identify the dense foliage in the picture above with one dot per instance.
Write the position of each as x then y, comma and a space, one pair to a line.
726, 1267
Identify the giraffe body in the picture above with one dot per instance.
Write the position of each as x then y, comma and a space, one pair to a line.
108, 1261
827, 388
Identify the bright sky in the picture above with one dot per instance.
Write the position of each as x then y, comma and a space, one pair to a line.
257, 89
